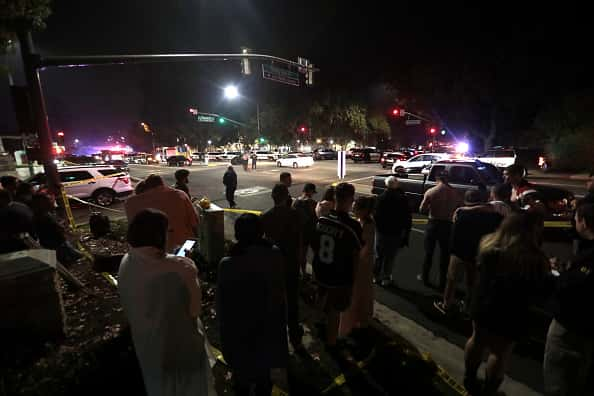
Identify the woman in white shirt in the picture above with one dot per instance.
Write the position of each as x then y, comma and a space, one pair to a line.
161, 298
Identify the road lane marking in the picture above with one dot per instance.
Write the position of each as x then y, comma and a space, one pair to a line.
246, 192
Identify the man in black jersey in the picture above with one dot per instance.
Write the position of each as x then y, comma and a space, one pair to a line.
336, 245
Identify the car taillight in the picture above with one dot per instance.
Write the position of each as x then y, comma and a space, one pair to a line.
383, 160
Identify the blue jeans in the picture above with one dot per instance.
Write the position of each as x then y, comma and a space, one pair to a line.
386, 249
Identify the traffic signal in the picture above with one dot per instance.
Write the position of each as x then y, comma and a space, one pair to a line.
443, 132
302, 129
262, 140
221, 120
432, 130
60, 138
397, 112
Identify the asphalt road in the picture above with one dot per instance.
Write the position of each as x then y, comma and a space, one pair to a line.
409, 297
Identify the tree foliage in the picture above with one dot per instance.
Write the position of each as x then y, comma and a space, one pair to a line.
21, 15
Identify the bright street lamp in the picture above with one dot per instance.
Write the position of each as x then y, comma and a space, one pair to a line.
209, 142
231, 92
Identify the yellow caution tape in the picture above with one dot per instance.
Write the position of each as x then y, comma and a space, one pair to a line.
557, 224
256, 212
67, 208
218, 355
110, 278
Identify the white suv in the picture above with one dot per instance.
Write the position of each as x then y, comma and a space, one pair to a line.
418, 162
101, 183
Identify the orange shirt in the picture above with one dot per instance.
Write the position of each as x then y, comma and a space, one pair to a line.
183, 219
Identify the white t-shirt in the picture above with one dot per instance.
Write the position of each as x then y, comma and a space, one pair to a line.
161, 297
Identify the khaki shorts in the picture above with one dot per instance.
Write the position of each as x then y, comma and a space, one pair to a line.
337, 299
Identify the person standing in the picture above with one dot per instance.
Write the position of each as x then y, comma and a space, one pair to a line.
254, 161
514, 176
251, 308
245, 161
500, 199
393, 225
161, 298
439, 202
183, 220
230, 182
514, 275
359, 314
472, 221
281, 225
570, 339
305, 206
286, 179
337, 245
182, 180
324, 207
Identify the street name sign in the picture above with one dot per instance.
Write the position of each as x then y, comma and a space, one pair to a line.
273, 73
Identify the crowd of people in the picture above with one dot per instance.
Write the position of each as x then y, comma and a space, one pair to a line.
493, 240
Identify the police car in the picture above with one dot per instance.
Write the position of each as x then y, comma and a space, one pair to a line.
100, 183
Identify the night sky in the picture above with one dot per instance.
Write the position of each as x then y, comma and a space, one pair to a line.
539, 53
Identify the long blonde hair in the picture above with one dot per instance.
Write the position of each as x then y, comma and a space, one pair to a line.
517, 241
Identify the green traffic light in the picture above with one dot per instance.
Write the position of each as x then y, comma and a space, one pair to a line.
221, 120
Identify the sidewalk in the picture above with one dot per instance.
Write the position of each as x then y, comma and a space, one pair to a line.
538, 174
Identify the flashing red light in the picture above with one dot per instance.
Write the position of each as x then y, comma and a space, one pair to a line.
432, 130
302, 129
61, 133
396, 112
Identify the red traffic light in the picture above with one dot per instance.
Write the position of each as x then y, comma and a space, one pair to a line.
302, 129
396, 112
61, 133
432, 130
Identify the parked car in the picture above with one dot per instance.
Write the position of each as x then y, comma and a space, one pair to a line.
179, 160
100, 183
262, 155
295, 160
119, 164
229, 155
388, 159
214, 155
324, 154
197, 156
365, 155
418, 162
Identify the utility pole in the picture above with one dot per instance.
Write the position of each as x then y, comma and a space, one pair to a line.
31, 62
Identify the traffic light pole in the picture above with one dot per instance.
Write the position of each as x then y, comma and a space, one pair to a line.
34, 63
31, 61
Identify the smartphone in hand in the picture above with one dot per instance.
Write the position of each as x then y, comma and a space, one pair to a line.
186, 247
